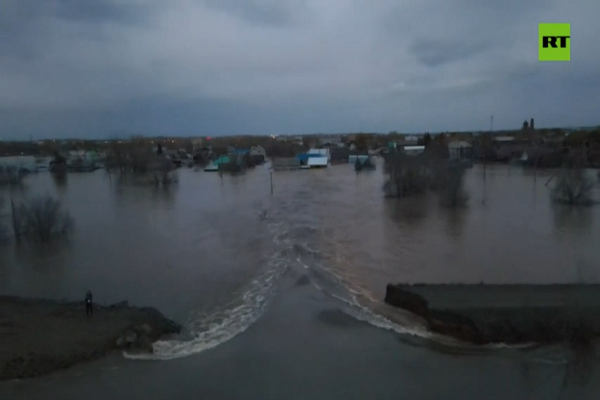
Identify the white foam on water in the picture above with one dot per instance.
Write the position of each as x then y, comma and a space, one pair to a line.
338, 287
212, 330
209, 331
353, 308
364, 314
299, 261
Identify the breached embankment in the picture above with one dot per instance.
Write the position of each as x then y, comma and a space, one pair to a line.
509, 314
41, 336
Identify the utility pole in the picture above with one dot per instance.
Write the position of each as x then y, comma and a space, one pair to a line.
492, 124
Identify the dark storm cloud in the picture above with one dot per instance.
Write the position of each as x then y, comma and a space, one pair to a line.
433, 53
26, 24
101, 68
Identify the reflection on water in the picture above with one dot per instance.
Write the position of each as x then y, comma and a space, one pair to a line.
454, 219
60, 180
572, 219
411, 211
128, 231
190, 248
36, 256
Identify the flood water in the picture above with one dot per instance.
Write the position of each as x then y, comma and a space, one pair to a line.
290, 306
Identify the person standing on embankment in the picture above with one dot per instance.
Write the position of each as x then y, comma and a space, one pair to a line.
89, 310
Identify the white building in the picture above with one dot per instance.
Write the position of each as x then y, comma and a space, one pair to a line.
413, 150
322, 152
322, 160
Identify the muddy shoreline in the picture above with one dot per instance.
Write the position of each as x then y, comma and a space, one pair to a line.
38, 336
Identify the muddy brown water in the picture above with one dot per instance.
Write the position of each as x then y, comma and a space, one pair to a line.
200, 252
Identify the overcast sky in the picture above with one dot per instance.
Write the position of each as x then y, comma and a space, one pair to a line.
114, 68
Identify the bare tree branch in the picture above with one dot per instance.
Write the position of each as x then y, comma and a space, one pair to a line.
40, 218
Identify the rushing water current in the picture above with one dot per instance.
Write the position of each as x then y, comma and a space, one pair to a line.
230, 260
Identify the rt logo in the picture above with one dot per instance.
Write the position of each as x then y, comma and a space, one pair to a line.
554, 42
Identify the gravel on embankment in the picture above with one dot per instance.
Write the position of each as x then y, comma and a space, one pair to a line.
41, 336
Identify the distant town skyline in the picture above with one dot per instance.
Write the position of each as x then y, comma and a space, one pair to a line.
230, 67
129, 136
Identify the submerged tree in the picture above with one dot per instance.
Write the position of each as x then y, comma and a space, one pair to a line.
573, 187
361, 142
427, 140
408, 175
451, 190
40, 217
162, 171
411, 175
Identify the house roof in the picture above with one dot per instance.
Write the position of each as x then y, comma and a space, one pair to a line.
306, 156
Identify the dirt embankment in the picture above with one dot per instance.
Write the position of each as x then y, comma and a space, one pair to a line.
41, 336
510, 314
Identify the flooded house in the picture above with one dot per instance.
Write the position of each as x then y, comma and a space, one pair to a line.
339, 155
220, 163
460, 150
320, 152
353, 158
202, 154
237, 160
284, 163
308, 160
83, 160
178, 157
509, 148
172, 155
317, 158
255, 155
213, 165
364, 164
509, 152
541, 156
258, 155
